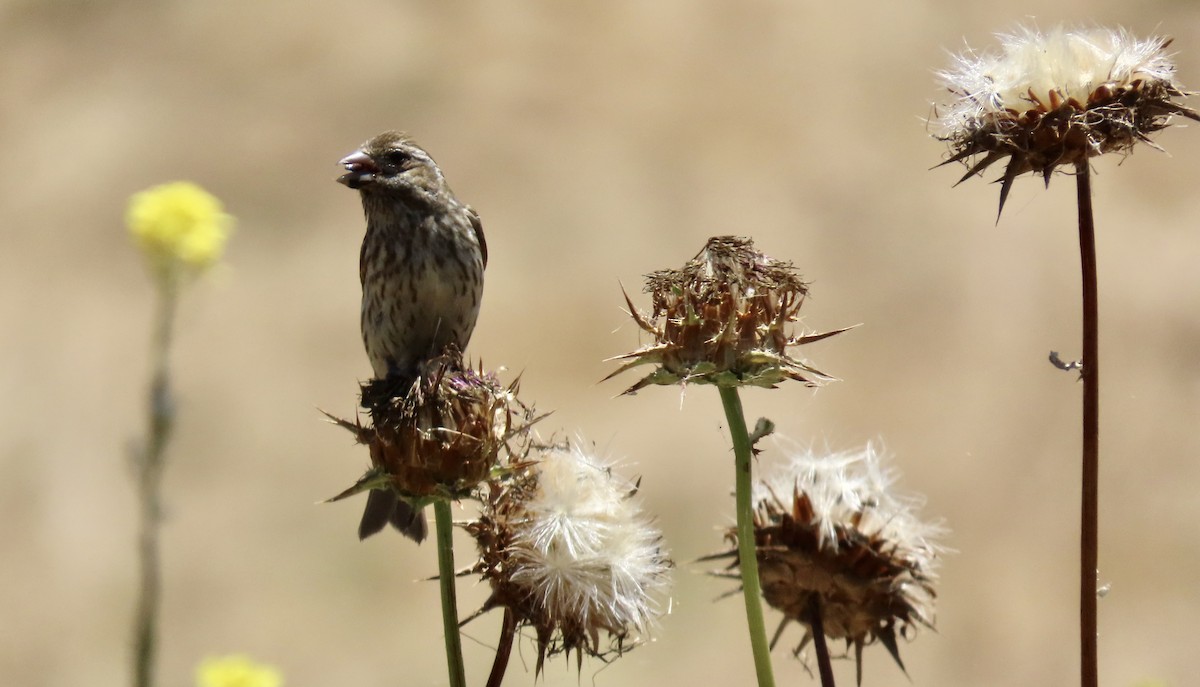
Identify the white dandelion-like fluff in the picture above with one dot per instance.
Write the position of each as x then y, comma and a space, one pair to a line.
1056, 98
569, 552
831, 525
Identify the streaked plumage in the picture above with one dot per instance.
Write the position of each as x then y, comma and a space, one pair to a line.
421, 269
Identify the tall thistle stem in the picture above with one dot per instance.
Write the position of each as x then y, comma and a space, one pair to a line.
445, 547
747, 550
1089, 528
148, 467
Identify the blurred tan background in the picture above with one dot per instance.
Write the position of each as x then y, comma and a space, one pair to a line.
599, 141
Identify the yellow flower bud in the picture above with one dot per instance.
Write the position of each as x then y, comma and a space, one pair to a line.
236, 671
179, 227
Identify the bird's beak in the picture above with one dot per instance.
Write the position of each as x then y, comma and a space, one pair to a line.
360, 170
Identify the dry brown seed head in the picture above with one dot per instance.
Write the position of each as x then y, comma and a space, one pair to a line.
835, 532
569, 555
722, 319
443, 435
1056, 100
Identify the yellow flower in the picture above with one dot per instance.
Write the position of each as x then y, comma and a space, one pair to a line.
236, 671
178, 226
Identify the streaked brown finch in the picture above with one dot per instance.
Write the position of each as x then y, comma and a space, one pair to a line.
421, 269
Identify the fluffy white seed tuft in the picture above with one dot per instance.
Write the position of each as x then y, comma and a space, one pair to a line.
583, 548
1034, 69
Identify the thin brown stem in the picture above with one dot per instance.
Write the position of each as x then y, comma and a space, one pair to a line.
820, 647
1089, 528
507, 632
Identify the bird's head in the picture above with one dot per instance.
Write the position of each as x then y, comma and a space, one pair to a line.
391, 163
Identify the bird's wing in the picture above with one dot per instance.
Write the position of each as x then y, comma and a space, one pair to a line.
477, 225
362, 261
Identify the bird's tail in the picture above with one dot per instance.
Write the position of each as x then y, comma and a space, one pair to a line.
383, 507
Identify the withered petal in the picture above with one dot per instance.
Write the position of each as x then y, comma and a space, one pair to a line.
961, 155
373, 479
362, 434
626, 366
646, 354
638, 318
1010, 173
659, 377
778, 633
1182, 110
983, 164
810, 338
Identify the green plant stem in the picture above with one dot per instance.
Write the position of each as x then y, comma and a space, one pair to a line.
747, 549
445, 547
1090, 511
820, 646
148, 467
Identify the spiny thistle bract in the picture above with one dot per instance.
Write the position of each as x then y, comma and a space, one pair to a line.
443, 435
569, 553
829, 525
1056, 99
722, 320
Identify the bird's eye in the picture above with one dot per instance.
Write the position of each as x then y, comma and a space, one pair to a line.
396, 158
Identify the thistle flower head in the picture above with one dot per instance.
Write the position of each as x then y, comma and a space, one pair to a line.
722, 319
236, 671
180, 228
1055, 99
443, 435
830, 526
568, 552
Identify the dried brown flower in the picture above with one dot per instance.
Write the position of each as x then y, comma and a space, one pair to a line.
722, 320
441, 437
829, 527
1056, 99
569, 554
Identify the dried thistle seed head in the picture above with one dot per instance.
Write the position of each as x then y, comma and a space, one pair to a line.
443, 435
1055, 99
831, 526
722, 319
569, 553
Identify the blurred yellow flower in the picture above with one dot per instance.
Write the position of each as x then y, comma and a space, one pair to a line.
178, 225
236, 671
